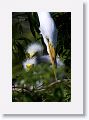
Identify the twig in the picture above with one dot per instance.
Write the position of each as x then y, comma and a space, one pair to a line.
49, 86
19, 88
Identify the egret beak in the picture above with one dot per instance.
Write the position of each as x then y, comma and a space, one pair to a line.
28, 66
52, 53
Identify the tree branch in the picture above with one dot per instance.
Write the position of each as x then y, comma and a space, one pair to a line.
19, 88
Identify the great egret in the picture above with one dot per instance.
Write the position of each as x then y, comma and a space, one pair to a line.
49, 33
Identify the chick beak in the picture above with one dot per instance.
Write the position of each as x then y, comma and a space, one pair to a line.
32, 54
28, 67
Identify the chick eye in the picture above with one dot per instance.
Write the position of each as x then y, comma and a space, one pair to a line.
27, 55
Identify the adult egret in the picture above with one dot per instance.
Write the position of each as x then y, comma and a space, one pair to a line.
49, 33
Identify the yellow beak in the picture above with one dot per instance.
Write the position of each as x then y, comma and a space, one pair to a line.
30, 55
28, 66
52, 53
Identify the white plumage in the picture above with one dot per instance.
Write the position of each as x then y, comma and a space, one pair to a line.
41, 59
48, 28
31, 61
34, 47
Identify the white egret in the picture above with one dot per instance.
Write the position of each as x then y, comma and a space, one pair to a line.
35, 57
49, 33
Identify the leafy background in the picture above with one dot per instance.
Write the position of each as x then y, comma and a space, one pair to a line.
37, 84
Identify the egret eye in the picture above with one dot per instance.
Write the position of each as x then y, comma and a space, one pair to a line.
47, 39
27, 55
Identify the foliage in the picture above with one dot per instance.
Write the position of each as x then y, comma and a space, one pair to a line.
38, 84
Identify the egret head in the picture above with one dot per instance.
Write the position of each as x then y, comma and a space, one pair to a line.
35, 49
29, 63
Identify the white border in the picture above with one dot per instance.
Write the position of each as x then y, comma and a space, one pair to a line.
76, 104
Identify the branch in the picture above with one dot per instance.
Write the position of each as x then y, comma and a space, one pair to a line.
49, 86
19, 88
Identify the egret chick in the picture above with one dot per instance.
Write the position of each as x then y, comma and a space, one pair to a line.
29, 63
35, 49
